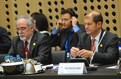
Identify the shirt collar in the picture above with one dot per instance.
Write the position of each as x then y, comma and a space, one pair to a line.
97, 38
29, 40
70, 30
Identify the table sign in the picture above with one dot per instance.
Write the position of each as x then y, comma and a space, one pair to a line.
71, 68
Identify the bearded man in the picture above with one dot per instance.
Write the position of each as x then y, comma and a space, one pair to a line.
30, 44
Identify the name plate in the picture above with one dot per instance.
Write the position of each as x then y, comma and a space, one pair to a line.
71, 68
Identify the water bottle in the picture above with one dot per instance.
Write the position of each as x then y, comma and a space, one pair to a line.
7, 60
8, 56
18, 58
11, 59
14, 59
21, 59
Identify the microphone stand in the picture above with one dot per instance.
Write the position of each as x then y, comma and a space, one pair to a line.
25, 63
91, 66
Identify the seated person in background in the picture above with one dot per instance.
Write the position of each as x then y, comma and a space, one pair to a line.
38, 47
103, 49
66, 37
41, 22
5, 41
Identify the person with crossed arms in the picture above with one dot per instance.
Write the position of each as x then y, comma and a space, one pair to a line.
105, 48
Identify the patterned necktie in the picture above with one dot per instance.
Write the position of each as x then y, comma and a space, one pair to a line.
93, 48
26, 51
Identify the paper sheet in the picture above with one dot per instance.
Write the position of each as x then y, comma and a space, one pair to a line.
112, 67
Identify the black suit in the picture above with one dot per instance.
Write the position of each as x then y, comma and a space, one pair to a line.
60, 38
5, 41
107, 49
39, 48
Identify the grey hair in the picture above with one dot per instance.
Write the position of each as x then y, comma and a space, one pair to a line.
29, 20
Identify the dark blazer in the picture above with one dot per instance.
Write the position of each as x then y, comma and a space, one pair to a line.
107, 49
5, 41
60, 38
40, 51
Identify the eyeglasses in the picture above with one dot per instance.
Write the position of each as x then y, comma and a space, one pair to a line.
22, 28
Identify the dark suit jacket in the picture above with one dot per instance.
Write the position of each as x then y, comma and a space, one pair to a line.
107, 53
60, 38
40, 51
5, 41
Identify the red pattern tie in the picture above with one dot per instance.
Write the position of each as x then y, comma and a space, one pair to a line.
26, 51
93, 48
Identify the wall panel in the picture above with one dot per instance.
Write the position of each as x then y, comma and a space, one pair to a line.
11, 9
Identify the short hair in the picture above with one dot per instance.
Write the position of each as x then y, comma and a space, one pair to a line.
28, 18
69, 10
41, 21
96, 16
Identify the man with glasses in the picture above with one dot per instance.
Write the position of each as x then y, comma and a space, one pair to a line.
66, 37
30, 44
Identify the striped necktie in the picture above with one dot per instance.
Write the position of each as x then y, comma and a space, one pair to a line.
93, 48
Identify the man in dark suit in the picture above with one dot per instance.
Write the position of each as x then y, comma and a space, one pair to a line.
105, 44
38, 44
66, 37
5, 41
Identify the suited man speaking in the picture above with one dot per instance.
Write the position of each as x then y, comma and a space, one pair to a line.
104, 45
37, 46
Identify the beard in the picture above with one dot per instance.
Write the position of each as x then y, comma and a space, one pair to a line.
22, 37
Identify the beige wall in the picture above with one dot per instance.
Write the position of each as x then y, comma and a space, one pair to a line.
11, 9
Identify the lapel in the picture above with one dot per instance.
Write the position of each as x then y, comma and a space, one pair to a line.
64, 37
20, 48
32, 44
72, 35
88, 42
100, 47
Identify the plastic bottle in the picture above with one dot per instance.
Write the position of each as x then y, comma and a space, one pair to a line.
11, 59
7, 60
18, 58
8, 57
14, 59
21, 59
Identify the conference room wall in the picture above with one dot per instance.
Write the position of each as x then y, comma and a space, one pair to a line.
11, 9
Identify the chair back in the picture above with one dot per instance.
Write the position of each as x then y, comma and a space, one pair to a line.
59, 56
2, 56
120, 53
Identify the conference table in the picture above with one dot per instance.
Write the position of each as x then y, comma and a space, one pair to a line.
100, 73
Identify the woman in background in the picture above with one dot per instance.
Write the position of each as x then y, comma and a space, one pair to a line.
41, 22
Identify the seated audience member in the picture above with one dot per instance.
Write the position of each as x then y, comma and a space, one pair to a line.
5, 41
30, 43
104, 46
66, 37
41, 22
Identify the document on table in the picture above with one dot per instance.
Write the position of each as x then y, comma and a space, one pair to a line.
112, 67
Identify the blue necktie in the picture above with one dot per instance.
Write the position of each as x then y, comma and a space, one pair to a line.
67, 44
